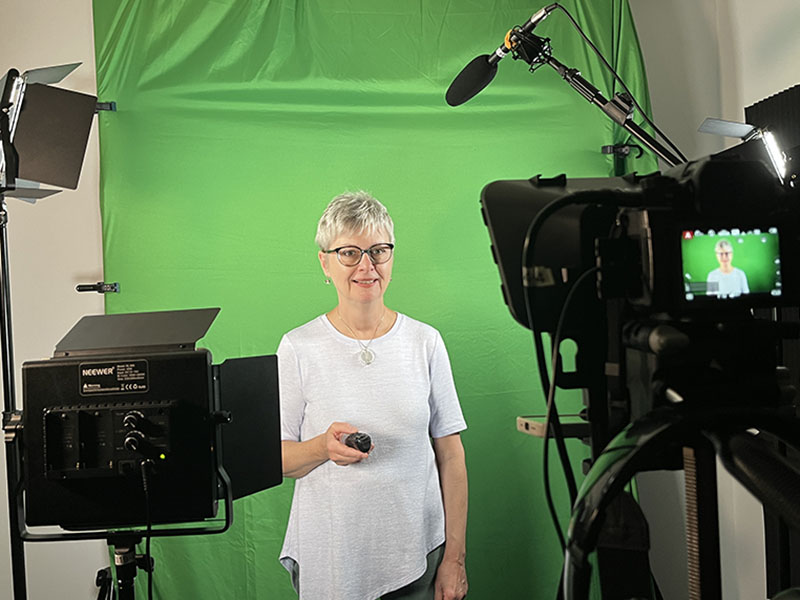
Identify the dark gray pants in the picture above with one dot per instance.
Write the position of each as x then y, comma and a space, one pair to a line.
423, 588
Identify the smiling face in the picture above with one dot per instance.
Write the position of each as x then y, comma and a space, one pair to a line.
724, 252
724, 257
365, 282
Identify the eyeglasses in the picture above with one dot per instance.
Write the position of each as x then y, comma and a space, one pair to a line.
350, 256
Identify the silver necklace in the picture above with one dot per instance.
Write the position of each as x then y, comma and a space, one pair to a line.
366, 355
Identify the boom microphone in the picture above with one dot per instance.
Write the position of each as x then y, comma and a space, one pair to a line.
482, 69
472, 79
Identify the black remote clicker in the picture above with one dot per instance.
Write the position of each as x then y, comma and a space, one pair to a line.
358, 440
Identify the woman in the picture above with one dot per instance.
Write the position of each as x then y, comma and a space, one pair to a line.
726, 281
388, 523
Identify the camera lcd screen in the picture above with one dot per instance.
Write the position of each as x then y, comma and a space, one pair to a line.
726, 264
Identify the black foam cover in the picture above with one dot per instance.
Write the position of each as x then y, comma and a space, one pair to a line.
472, 79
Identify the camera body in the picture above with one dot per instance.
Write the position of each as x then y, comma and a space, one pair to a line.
708, 237
666, 318
649, 236
714, 246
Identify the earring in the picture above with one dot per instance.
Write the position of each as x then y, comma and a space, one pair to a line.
327, 281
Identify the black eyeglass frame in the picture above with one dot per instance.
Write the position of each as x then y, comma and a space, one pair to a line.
363, 252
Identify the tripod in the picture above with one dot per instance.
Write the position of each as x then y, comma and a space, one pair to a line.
705, 433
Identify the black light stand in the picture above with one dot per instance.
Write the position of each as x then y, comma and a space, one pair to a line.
13, 88
122, 391
127, 562
11, 419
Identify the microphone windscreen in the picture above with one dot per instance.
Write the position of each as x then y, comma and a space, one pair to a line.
472, 79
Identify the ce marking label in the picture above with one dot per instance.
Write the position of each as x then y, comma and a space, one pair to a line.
132, 387
117, 377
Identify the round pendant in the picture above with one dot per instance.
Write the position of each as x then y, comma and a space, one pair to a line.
367, 356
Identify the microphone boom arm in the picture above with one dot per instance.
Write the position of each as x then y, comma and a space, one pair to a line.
618, 109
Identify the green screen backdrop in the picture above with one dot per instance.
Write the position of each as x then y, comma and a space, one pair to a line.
238, 120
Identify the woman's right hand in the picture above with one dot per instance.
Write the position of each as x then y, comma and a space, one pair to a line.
300, 458
335, 448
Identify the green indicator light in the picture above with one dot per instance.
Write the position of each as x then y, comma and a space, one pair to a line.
162, 456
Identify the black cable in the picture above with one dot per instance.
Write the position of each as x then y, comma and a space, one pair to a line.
551, 392
145, 465
622, 83
548, 493
541, 361
616, 198
558, 433
582, 197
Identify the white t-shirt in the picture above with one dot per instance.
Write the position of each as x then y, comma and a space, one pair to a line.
360, 531
727, 285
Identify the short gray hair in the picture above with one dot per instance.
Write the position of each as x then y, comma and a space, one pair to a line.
723, 246
353, 212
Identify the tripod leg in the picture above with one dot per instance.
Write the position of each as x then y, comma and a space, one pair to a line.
622, 551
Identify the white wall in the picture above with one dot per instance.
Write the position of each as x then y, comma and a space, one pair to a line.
764, 52
53, 245
680, 41
711, 58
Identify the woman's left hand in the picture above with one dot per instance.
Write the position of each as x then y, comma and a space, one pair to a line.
451, 580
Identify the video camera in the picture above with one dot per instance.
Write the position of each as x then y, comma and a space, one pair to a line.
685, 217
652, 241
672, 288
652, 237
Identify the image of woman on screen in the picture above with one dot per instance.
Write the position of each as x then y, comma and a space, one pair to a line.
388, 522
726, 281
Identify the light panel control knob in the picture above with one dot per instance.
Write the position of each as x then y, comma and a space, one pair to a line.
132, 420
134, 441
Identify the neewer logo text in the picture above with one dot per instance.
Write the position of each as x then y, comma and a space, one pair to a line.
103, 371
